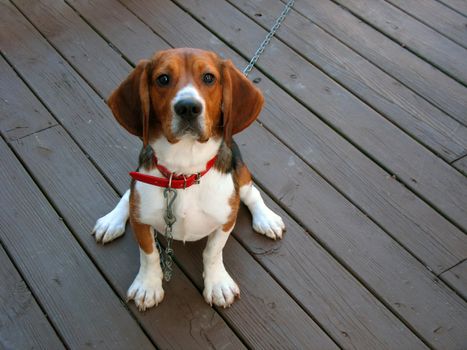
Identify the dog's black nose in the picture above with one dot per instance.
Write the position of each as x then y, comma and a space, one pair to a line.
188, 108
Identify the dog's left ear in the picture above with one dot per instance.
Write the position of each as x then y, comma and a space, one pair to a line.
130, 102
241, 101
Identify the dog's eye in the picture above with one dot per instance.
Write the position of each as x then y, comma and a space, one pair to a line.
208, 78
163, 80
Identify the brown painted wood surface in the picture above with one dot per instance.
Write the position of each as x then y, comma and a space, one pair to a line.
70, 288
96, 82
457, 278
434, 14
22, 323
458, 5
413, 35
435, 129
358, 266
378, 314
449, 95
461, 165
21, 114
259, 336
409, 161
83, 195
430, 237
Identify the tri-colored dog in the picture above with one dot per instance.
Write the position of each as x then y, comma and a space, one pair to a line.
186, 104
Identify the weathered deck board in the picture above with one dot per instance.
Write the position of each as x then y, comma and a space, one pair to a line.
430, 237
330, 153
434, 14
154, 17
348, 264
85, 195
295, 314
23, 325
21, 115
457, 278
148, 12
408, 160
458, 5
53, 264
413, 35
406, 67
461, 165
422, 289
388, 270
382, 325
435, 129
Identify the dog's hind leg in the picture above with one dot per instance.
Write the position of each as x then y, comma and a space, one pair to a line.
265, 221
112, 225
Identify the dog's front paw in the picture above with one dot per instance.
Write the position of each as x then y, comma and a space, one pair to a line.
146, 291
268, 223
109, 227
220, 289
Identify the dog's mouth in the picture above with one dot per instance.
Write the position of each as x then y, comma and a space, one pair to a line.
191, 129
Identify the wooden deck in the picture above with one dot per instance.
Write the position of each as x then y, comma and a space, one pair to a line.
361, 148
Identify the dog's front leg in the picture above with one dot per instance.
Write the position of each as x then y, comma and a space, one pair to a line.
112, 225
265, 221
146, 289
219, 288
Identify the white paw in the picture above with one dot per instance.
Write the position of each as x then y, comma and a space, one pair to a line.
220, 289
109, 227
146, 290
268, 223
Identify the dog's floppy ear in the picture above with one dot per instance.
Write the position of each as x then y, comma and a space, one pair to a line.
241, 101
130, 102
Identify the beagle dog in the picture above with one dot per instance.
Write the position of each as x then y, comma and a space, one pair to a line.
186, 104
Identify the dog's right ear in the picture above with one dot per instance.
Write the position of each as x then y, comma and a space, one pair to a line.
130, 102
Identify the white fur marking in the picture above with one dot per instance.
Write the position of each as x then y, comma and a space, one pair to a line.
146, 290
265, 221
112, 225
219, 288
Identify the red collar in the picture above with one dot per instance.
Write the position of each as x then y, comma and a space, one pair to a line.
170, 179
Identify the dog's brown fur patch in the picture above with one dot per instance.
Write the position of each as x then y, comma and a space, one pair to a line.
143, 233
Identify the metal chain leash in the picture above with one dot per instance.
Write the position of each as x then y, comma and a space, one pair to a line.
268, 37
167, 254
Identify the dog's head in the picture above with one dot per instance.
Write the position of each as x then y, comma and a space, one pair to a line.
185, 93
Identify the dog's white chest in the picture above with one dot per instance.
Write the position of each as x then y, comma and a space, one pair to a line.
199, 209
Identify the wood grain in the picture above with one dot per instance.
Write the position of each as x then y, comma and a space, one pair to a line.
23, 325
388, 270
20, 114
259, 336
95, 157
63, 278
413, 35
361, 331
437, 16
435, 129
457, 278
408, 160
420, 76
461, 165
423, 231
93, 154
458, 5
183, 320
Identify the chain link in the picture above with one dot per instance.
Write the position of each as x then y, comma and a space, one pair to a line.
268, 37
